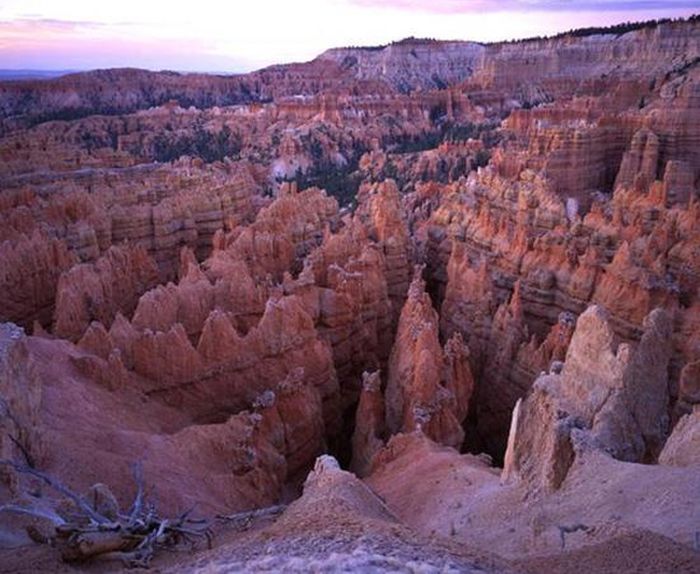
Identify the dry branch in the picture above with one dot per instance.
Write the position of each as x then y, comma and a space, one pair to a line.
244, 519
78, 500
133, 538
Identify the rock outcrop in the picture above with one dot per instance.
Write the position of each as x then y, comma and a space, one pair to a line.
97, 292
29, 274
20, 400
613, 396
100, 210
683, 446
448, 495
427, 388
381, 210
368, 436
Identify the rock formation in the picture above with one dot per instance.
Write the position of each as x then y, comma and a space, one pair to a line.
614, 396
96, 292
427, 388
381, 206
427, 259
367, 439
682, 447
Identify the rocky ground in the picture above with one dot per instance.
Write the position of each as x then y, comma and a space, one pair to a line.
470, 273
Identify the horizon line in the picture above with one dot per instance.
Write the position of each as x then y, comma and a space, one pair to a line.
58, 72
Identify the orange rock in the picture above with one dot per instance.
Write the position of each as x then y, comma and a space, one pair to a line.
30, 270
383, 213
96, 292
426, 388
368, 437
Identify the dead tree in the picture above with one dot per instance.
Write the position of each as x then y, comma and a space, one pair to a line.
88, 533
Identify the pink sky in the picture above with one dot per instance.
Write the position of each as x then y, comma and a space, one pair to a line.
239, 36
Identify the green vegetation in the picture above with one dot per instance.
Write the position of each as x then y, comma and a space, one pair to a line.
410, 40
616, 29
339, 182
70, 114
446, 131
413, 144
109, 138
463, 132
210, 146
482, 158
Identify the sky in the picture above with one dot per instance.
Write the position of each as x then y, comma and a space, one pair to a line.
237, 36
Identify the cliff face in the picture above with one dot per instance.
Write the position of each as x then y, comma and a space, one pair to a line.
614, 397
26, 103
532, 71
97, 292
155, 209
411, 64
574, 62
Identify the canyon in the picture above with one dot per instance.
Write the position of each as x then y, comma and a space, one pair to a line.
439, 302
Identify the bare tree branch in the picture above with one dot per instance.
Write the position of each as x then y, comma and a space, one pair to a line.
132, 538
136, 507
55, 519
58, 487
244, 519
25, 453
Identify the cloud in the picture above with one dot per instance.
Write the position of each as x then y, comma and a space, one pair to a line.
48, 31
475, 6
241, 36
43, 43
